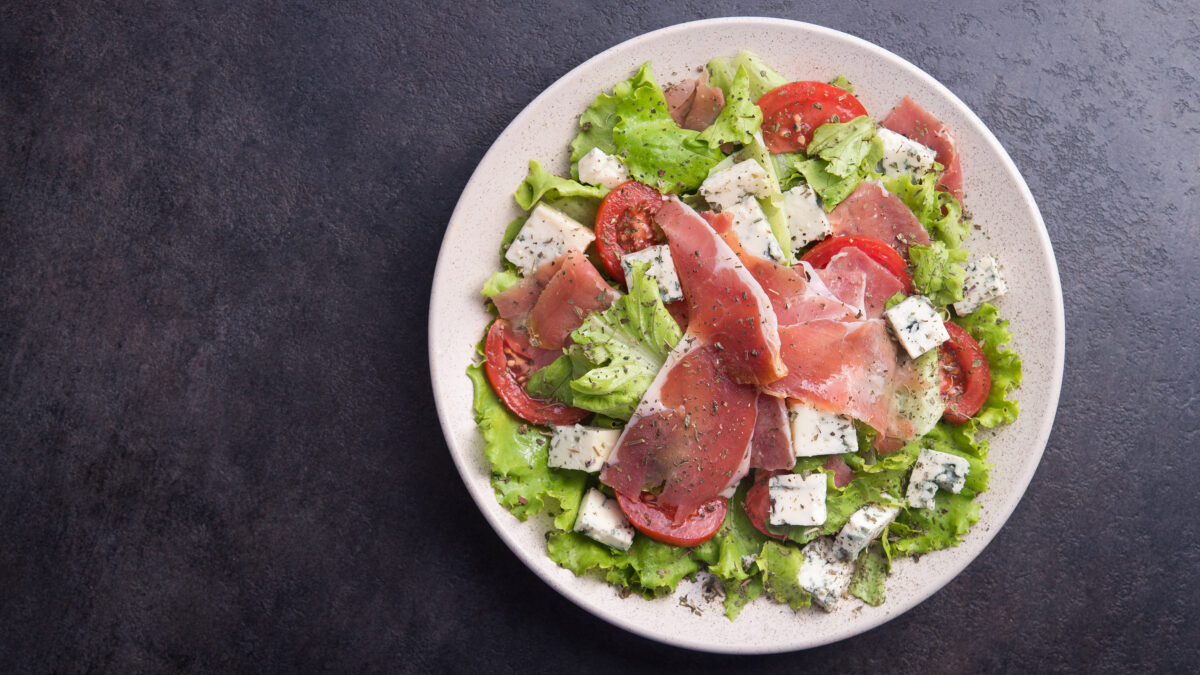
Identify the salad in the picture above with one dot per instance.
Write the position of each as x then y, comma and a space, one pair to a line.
743, 339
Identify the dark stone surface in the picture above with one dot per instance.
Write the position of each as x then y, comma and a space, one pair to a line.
218, 227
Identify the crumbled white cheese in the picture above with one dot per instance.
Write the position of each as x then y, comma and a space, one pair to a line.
582, 448
805, 217
727, 186
863, 526
983, 284
823, 574
754, 231
546, 235
917, 325
601, 519
662, 270
600, 168
935, 469
797, 499
816, 432
904, 155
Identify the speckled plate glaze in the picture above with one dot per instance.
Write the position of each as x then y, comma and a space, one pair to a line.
996, 194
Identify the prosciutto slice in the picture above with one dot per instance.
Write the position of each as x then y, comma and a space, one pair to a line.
690, 434
694, 104
515, 302
872, 211
849, 368
575, 290
854, 273
726, 306
910, 119
772, 445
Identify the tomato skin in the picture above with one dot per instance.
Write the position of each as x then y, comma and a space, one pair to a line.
656, 523
792, 112
625, 224
757, 504
966, 378
875, 249
504, 344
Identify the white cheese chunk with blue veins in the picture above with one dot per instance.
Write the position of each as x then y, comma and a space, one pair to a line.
824, 574
581, 448
935, 469
754, 230
661, 269
797, 499
983, 284
904, 155
601, 519
546, 235
600, 168
816, 432
729, 185
864, 526
916, 325
806, 218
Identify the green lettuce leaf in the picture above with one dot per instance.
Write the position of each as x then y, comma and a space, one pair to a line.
596, 128
650, 568
780, 565
842, 83
939, 212
499, 282
938, 272
739, 119
541, 184
517, 453
870, 574
992, 334
785, 169
841, 156
722, 73
841, 503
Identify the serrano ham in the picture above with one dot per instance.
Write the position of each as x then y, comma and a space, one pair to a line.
910, 119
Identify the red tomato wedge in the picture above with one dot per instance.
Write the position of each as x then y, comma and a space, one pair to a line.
876, 249
966, 379
652, 521
792, 112
625, 224
509, 365
758, 504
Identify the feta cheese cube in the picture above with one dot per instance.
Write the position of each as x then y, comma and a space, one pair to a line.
917, 325
582, 448
546, 235
600, 168
797, 499
816, 432
904, 155
823, 574
662, 270
862, 528
805, 217
754, 231
983, 284
601, 519
728, 186
932, 470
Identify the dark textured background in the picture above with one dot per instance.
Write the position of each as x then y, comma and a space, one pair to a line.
218, 229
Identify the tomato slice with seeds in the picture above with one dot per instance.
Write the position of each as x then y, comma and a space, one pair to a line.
510, 362
876, 249
792, 112
653, 521
625, 224
758, 504
966, 378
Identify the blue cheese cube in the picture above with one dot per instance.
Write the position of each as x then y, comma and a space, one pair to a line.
754, 231
917, 325
729, 185
824, 574
932, 470
662, 270
816, 432
863, 527
582, 448
600, 168
983, 284
797, 499
601, 519
904, 155
546, 235
805, 217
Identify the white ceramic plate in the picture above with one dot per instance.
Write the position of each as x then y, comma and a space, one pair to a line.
996, 195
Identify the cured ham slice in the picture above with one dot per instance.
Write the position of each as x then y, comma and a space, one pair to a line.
573, 292
854, 273
872, 211
910, 119
726, 306
849, 368
772, 445
694, 104
515, 302
690, 435
842, 473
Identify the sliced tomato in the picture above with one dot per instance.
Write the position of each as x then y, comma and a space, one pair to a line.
792, 112
509, 365
655, 522
625, 224
876, 249
758, 504
966, 379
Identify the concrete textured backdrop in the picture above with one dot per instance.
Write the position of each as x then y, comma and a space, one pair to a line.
218, 226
